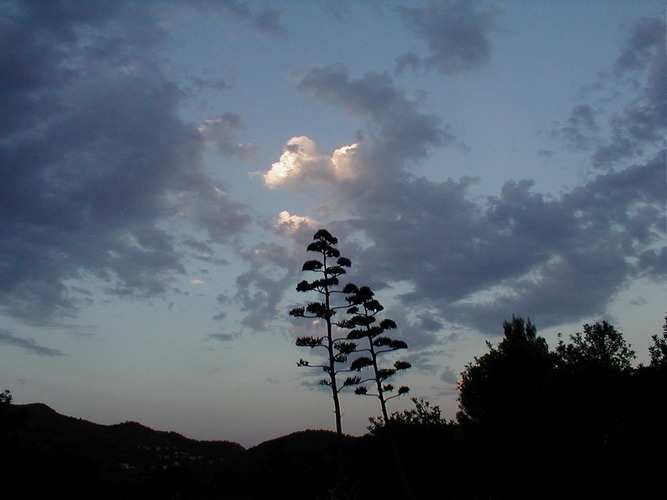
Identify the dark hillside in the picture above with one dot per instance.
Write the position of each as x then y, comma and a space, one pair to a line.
45, 452
302, 465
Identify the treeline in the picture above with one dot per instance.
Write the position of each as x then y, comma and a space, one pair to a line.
579, 421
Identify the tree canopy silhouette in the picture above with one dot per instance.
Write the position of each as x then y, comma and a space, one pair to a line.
330, 266
583, 404
600, 345
363, 324
504, 382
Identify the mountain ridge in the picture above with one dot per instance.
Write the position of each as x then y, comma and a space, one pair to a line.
130, 460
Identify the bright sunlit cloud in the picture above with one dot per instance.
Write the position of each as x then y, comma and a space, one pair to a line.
289, 224
301, 164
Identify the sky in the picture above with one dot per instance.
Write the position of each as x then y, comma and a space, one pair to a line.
164, 165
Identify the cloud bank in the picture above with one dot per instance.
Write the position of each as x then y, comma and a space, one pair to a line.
95, 157
555, 258
97, 165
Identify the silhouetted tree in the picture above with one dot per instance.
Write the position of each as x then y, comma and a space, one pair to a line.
5, 397
599, 346
646, 414
423, 414
330, 266
501, 410
525, 411
502, 383
595, 405
363, 324
658, 351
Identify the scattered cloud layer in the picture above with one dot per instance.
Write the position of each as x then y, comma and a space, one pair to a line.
95, 157
555, 258
96, 162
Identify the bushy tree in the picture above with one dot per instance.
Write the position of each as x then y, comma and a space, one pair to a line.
329, 266
5, 397
364, 325
503, 382
600, 346
658, 351
423, 414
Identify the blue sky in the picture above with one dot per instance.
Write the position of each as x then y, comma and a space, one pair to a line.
165, 164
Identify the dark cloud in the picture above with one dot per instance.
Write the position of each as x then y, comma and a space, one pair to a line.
220, 132
268, 20
392, 118
94, 157
555, 258
272, 272
457, 33
580, 130
631, 128
591, 242
646, 40
27, 344
222, 337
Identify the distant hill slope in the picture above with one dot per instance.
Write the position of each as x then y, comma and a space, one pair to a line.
129, 443
46, 453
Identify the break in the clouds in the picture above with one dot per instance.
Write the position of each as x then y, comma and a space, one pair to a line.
95, 157
554, 258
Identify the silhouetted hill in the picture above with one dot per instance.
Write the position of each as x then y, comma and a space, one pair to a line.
44, 452
129, 443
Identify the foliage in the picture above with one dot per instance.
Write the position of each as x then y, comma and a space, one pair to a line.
599, 346
504, 381
582, 404
330, 266
423, 414
658, 351
5, 397
363, 324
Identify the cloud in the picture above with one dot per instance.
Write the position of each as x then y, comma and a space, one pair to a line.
554, 258
220, 133
223, 337
615, 131
27, 344
96, 158
301, 164
391, 117
260, 290
578, 132
291, 225
212, 209
457, 33
268, 20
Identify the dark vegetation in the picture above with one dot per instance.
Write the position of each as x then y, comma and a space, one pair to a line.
578, 421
